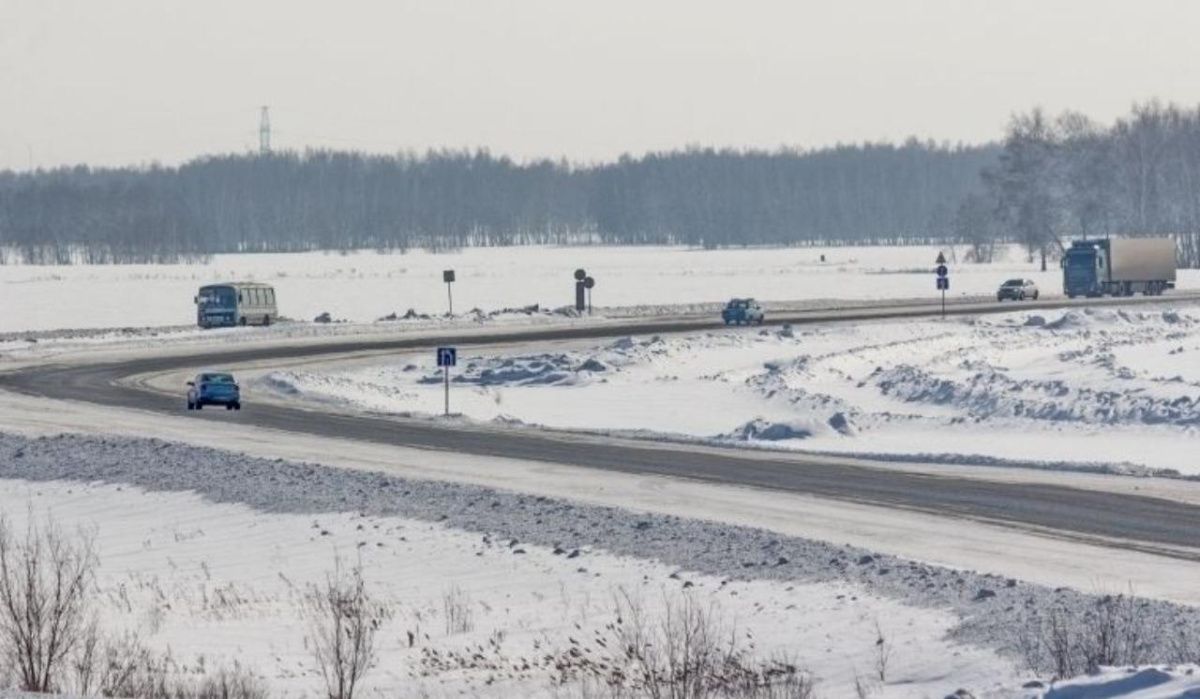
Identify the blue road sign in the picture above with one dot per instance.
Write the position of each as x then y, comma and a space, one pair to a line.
447, 356
942, 271
943, 283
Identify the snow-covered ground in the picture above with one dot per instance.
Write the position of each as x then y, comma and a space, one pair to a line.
209, 553
226, 583
231, 542
1112, 388
364, 286
1160, 682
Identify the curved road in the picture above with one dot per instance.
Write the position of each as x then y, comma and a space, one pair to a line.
1131, 521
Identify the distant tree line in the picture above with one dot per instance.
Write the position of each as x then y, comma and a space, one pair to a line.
444, 200
1050, 179
1068, 177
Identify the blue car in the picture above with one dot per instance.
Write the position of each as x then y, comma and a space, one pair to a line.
214, 388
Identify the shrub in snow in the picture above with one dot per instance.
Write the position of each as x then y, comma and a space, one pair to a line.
45, 610
841, 424
343, 620
1070, 640
687, 651
759, 429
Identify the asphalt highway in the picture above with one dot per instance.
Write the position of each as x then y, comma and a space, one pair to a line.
1114, 519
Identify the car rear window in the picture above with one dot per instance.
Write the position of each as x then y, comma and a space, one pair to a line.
1014, 282
216, 378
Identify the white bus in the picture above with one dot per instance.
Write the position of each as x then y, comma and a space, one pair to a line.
236, 303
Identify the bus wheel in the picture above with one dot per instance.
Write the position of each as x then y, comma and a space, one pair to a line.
242, 321
267, 320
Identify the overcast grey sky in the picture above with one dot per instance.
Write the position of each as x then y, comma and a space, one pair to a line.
120, 82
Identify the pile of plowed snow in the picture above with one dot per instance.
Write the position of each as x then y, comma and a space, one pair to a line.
1110, 389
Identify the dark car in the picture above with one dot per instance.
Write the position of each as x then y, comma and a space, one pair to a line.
214, 388
1017, 290
742, 312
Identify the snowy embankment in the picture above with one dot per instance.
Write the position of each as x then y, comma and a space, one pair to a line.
208, 553
1114, 389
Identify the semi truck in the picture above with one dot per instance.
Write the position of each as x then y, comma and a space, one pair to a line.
1119, 267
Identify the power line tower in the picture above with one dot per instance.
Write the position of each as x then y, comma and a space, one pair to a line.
264, 133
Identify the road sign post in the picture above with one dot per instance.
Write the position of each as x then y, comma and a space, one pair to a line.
580, 288
446, 358
448, 277
943, 280
589, 283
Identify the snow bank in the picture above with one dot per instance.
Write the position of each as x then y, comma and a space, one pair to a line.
1165, 682
1085, 389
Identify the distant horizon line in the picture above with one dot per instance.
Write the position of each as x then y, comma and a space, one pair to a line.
423, 154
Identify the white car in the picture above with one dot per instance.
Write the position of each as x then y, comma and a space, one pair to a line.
1017, 290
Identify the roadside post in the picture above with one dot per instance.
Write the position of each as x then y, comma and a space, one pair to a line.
446, 358
588, 283
580, 285
943, 280
448, 277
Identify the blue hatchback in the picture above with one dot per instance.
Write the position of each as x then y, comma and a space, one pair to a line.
212, 388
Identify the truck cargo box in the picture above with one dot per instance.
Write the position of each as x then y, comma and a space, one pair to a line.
1142, 259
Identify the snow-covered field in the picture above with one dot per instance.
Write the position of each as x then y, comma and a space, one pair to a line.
226, 583
1113, 388
209, 554
365, 286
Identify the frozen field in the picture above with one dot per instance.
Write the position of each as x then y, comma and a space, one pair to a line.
227, 584
1091, 388
209, 554
364, 286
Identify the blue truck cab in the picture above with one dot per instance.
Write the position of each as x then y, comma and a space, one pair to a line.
1083, 265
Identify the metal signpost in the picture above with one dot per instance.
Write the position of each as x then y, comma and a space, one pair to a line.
588, 283
580, 276
446, 358
943, 280
448, 277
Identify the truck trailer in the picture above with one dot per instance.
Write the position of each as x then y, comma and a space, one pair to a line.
1119, 267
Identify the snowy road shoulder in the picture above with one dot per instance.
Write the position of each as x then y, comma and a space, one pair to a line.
999, 550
